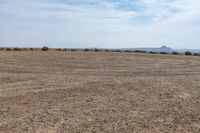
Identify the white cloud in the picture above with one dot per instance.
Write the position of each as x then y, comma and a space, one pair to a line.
105, 23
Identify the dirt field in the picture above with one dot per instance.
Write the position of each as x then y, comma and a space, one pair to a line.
49, 92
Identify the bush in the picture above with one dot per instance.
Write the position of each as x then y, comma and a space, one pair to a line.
97, 50
8, 49
175, 53
106, 50
73, 50
151, 52
196, 54
64, 49
17, 49
31, 49
163, 52
45, 49
188, 53
58, 49
140, 51
118, 50
1, 49
112, 50
86, 50
137, 51
25, 49
127, 51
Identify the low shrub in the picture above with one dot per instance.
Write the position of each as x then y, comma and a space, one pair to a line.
162, 52
97, 50
140, 51
151, 52
196, 54
1, 49
106, 50
31, 49
8, 49
175, 53
65, 49
112, 50
86, 50
127, 51
58, 49
188, 53
73, 50
17, 49
25, 49
45, 49
118, 50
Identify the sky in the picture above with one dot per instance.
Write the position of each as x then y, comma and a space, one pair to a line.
100, 23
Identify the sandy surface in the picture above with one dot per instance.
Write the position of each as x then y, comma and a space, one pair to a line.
98, 92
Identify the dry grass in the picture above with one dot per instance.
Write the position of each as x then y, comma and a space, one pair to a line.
98, 92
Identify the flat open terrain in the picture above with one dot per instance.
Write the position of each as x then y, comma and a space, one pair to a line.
68, 92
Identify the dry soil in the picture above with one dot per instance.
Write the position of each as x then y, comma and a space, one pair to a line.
47, 92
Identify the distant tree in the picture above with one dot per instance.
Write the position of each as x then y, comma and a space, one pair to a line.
188, 53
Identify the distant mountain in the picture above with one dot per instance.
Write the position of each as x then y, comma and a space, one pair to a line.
161, 49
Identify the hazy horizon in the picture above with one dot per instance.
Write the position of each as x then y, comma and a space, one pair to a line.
101, 24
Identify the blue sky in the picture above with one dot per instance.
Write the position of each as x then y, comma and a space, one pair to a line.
100, 23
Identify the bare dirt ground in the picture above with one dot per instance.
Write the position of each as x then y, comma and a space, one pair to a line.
81, 92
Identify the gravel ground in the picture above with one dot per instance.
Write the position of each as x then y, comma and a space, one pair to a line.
98, 92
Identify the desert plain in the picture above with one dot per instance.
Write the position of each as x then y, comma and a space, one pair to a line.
98, 92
